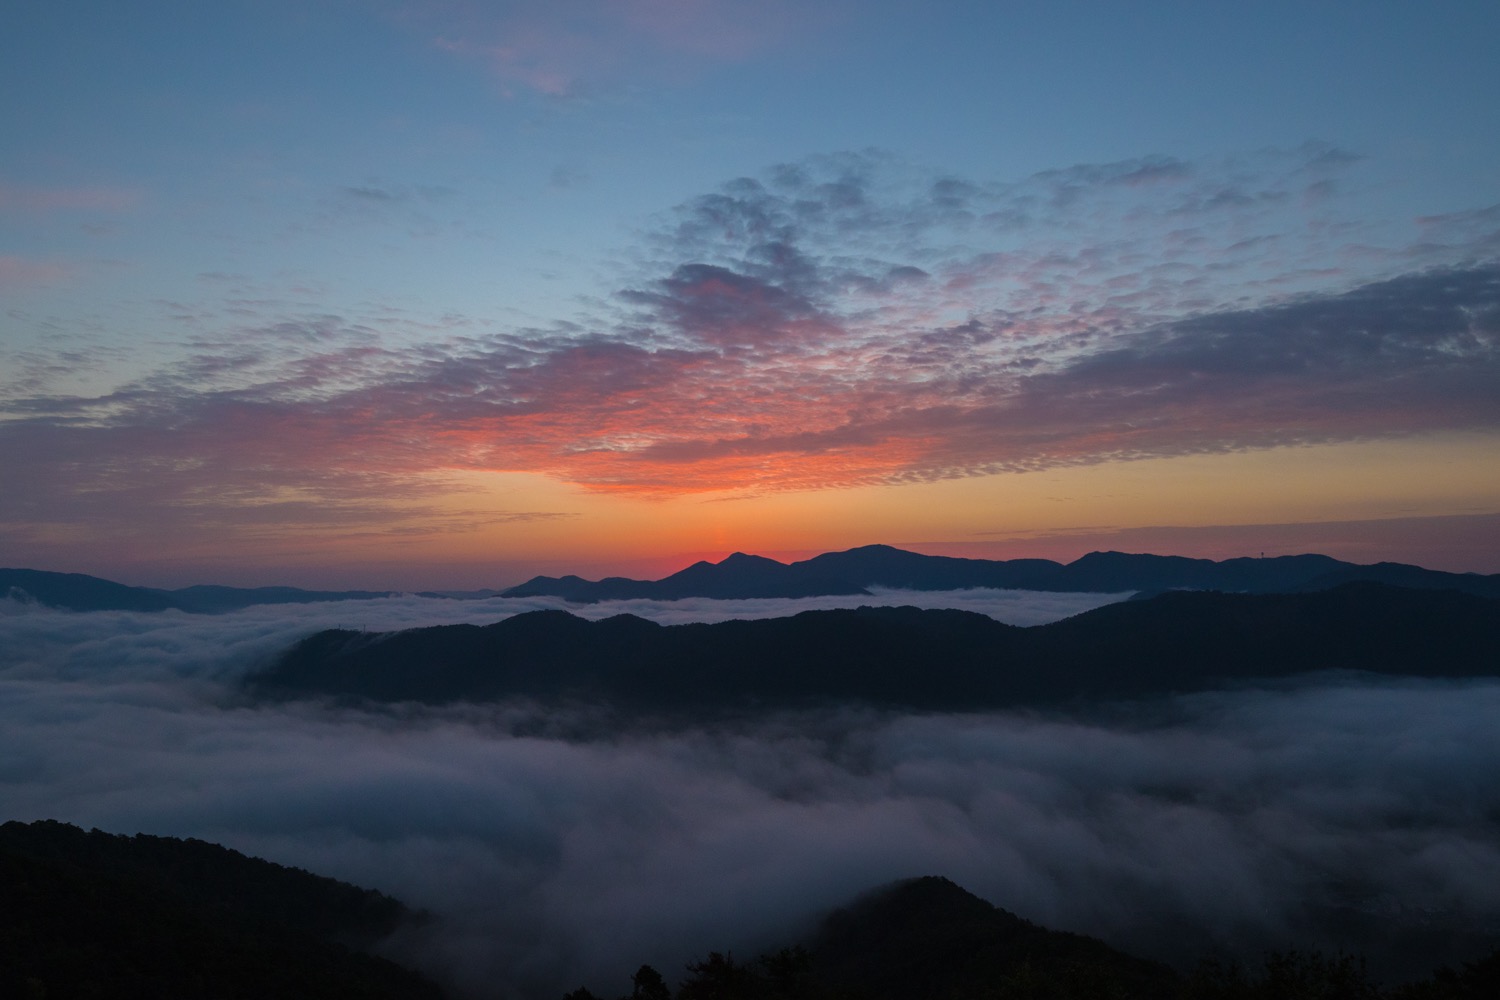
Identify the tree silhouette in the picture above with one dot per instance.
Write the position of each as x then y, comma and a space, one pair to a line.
647, 984
719, 977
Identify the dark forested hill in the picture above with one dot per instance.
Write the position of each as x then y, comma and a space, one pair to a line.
105, 917
920, 939
90, 914
906, 657
928, 939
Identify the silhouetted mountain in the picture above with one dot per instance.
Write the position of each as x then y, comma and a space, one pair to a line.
924, 659
920, 939
216, 600
886, 566
736, 577
577, 589
98, 915
1402, 575
928, 939
1112, 572
857, 570
77, 592
853, 572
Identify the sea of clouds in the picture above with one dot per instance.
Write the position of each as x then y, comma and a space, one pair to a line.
1238, 820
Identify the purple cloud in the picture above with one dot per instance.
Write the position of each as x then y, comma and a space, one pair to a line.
565, 50
838, 322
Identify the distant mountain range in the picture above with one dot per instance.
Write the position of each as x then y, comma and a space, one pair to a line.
78, 592
737, 577
905, 657
854, 572
858, 570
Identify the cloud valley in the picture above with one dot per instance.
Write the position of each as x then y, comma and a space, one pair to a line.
1238, 819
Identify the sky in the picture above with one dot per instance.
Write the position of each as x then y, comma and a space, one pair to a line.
553, 851
449, 293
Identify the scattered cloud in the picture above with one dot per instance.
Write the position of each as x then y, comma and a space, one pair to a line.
847, 320
21, 272
569, 50
566, 178
372, 193
46, 200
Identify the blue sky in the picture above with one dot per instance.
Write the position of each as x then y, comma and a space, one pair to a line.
806, 262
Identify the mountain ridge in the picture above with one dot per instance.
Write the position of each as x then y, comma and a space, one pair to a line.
852, 572
81, 592
937, 660
861, 570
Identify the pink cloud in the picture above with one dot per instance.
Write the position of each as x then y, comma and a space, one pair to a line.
1392, 358
31, 198
721, 29
20, 272
768, 353
555, 49
341, 441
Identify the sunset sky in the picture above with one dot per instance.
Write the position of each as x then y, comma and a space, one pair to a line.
445, 293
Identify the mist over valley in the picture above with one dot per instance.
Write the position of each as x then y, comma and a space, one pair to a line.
559, 843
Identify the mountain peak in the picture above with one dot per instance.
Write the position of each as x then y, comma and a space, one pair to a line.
742, 559
927, 937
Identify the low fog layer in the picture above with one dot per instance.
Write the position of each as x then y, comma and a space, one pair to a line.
1247, 816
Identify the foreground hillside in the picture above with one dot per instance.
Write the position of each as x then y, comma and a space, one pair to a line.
928, 939
105, 917
905, 657
94, 915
